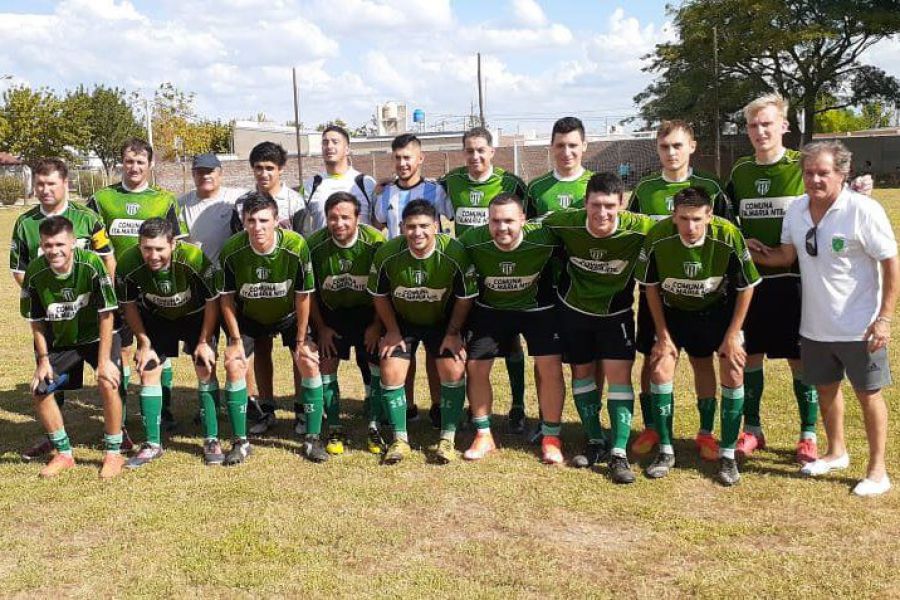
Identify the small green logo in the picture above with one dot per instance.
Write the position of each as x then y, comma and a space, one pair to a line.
838, 244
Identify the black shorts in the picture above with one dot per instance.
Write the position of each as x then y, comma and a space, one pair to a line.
71, 360
700, 333
165, 335
772, 326
646, 330
76, 373
350, 324
252, 330
430, 336
588, 338
494, 333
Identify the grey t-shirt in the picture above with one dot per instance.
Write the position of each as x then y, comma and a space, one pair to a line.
209, 220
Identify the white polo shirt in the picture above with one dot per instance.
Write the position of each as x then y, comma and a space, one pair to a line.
209, 220
842, 284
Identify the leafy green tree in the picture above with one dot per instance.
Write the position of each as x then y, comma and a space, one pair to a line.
108, 119
37, 124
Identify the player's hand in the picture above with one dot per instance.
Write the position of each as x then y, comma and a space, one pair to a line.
234, 351
204, 356
143, 356
43, 372
732, 349
306, 350
390, 342
371, 337
453, 343
108, 371
326, 342
663, 348
757, 246
863, 184
878, 334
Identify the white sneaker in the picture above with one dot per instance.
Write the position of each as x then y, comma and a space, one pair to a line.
823, 466
867, 487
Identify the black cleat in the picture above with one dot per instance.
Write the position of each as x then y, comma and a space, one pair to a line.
660, 466
594, 452
728, 474
240, 450
619, 470
515, 421
314, 450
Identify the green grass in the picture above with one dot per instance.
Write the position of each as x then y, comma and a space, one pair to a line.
280, 526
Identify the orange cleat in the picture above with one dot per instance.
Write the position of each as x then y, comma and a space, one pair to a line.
57, 465
551, 450
807, 451
112, 465
749, 443
644, 442
707, 446
482, 445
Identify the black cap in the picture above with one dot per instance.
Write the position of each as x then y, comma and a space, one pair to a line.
206, 161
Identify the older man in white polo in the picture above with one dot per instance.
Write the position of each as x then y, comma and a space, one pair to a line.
841, 239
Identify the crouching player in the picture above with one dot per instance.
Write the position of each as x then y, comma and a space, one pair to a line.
699, 280
342, 314
168, 291
423, 286
68, 297
516, 297
267, 282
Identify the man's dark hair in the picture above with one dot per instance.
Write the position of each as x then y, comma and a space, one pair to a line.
338, 197
420, 207
338, 129
403, 140
156, 227
567, 125
45, 166
268, 152
605, 183
137, 145
256, 201
506, 198
692, 196
477, 132
55, 225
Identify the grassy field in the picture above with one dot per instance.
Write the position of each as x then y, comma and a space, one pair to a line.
280, 526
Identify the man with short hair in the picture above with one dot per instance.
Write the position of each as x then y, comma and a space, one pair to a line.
841, 239
653, 196
342, 314
51, 188
470, 189
423, 286
564, 186
123, 207
169, 293
69, 298
268, 280
699, 281
602, 243
762, 188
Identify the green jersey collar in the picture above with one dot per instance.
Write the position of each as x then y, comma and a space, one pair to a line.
490, 174
65, 207
773, 162
141, 188
690, 174
575, 177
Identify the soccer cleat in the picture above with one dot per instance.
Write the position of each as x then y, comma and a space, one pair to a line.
749, 443
551, 450
266, 420
314, 450
868, 487
807, 451
823, 465
619, 470
300, 426
482, 445
594, 452
127, 444
397, 452
147, 454
728, 474
707, 446
57, 465
167, 420
40, 448
515, 421
412, 413
645, 441
240, 450
374, 441
434, 415
112, 465
660, 466
212, 452
444, 452
335, 445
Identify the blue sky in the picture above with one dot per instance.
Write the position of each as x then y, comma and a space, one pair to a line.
541, 58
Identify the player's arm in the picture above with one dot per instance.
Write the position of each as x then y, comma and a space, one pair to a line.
783, 255
204, 354
664, 344
106, 368
453, 337
42, 371
144, 352
878, 334
732, 347
324, 334
18, 256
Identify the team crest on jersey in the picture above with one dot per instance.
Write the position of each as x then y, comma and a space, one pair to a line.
68, 294
597, 253
165, 287
670, 203
763, 186
345, 264
419, 277
475, 197
507, 268
692, 269
132, 208
564, 200
262, 273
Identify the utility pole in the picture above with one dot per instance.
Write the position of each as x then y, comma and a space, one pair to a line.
716, 101
297, 128
149, 119
480, 95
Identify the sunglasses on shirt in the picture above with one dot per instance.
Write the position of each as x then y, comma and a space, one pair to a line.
812, 245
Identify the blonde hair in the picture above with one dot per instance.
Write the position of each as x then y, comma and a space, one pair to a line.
773, 99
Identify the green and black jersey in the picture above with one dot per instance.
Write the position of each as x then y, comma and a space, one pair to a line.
183, 288
71, 303
422, 289
549, 193
264, 285
654, 195
598, 278
470, 198
761, 195
342, 272
700, 276
123, 212
26, 238
516, 279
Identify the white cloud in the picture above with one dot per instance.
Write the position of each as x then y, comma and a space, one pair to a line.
529, 13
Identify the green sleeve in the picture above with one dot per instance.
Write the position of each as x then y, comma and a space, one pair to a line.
106, 292
18, 250
378, 284
306, 280
30, 306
